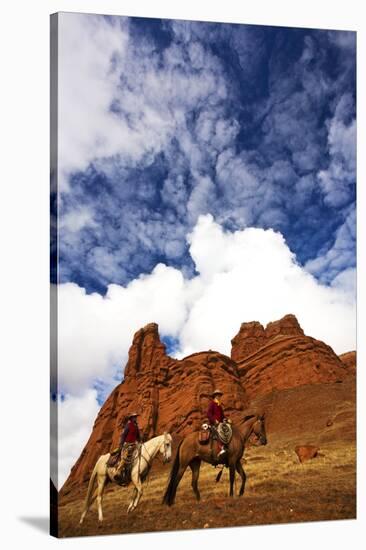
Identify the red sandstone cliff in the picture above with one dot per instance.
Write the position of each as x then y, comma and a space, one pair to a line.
253, 336
173, 394
350, 360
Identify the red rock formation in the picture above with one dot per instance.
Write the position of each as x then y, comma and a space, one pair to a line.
350, 360
146, 368
185, 394
311, 413
287, 362
252, 336
172, 395
306, 452
287, 326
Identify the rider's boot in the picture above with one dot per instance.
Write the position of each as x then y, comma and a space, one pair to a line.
222, 455
118, 475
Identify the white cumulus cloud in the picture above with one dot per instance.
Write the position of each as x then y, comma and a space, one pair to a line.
242, 276
87, 128
95, 332
252, 275
76, 415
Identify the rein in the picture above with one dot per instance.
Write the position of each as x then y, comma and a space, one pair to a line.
148, 462
250, 431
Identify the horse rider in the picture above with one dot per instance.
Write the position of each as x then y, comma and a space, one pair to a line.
215, 415
129, 437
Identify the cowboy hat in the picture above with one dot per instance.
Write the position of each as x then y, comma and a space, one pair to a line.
217, 392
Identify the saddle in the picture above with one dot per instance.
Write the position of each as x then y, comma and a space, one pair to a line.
204, 434
223, 432
123, 463
114, 458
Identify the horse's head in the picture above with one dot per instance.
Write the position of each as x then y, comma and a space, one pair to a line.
258, 430
166, 447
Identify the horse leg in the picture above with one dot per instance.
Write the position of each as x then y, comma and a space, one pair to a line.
101, 483
195, 467
240, 470
89, 493
130, 506
183, 457
139, 494
178, 477
232, 478
136, 480
88, 505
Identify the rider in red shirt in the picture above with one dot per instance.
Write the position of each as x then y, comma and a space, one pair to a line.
215, 411
130, 436
131, 433
215, 414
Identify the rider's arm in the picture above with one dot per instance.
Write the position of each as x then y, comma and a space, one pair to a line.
138, 437
210, 413
124, 435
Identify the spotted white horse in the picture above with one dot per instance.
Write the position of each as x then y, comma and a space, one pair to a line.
140, 468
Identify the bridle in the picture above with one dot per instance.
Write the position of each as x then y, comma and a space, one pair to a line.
166, 444
258, 436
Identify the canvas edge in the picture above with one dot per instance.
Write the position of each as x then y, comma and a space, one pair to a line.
54, 20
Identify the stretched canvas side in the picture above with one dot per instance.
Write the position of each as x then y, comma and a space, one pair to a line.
53, 274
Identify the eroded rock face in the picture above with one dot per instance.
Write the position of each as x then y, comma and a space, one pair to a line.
289, 362
146, 367
287, 326
350, 360
306, 452
252, 336
173, 395
185, 396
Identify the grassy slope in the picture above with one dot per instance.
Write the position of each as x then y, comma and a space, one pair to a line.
278, 490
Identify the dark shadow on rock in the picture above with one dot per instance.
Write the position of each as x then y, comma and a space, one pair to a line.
40, 523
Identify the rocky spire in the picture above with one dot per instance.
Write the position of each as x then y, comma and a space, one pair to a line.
252, 336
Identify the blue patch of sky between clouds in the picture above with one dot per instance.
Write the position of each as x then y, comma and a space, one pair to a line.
153, 28
172, 344
104, 388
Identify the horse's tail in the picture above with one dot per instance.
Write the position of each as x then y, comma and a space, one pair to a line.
171, 489
89, 492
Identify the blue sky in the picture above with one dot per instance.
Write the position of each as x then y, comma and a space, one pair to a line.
206, 177
253, 124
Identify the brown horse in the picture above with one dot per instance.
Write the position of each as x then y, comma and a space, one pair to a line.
190, 453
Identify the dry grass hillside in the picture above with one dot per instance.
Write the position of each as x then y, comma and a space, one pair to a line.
279, 489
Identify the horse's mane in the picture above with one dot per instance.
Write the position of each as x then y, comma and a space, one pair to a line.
152, 438
156, 437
